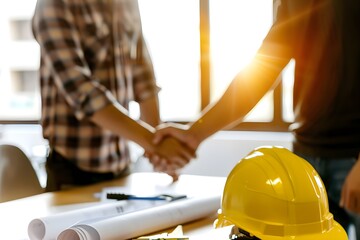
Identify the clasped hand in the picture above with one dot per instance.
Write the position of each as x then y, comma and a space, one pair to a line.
173, 149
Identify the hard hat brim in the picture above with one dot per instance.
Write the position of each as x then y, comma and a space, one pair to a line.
336, 233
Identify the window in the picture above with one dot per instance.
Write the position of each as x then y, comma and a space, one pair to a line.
197, 47
19, 62
236, 31
20, 29
171, 28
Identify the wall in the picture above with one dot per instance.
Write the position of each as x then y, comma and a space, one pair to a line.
218, 154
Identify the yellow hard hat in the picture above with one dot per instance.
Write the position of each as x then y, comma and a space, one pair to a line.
273, 194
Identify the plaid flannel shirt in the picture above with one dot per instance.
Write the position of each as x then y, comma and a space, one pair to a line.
92, 55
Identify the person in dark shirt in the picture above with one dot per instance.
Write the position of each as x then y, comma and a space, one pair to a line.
323, 38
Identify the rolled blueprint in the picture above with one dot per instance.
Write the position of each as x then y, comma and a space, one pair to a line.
49, 227
137, 223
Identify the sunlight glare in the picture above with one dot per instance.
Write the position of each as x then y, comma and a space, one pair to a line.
237, 30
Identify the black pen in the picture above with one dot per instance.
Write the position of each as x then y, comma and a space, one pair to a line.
162, 197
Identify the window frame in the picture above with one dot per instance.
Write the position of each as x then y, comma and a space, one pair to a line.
277, 124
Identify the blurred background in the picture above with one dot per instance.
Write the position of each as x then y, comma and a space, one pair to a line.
197, 47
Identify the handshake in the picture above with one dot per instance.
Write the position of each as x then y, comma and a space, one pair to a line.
173, 147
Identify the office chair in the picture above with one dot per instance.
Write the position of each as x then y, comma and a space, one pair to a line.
18, 178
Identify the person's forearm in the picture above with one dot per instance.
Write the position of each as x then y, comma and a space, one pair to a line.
218, 116
244, 92
115, 119
149, 111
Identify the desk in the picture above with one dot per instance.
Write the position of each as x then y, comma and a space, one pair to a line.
16, 215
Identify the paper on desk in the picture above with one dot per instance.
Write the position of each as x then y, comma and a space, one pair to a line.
142, 222
50, 227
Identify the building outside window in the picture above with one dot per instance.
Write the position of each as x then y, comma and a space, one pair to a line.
19, 62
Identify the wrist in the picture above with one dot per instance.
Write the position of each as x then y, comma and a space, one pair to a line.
194, 138
146, 138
